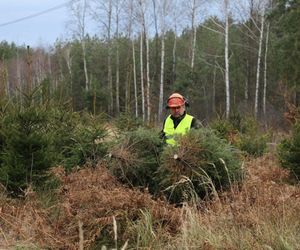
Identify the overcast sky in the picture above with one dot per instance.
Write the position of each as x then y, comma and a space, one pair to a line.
41, 22
42, 29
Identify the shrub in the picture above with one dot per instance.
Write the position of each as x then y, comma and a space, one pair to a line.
33, 139
201, 164
252, 141
223, 128
254, 145
78, 138
243, 132
289, 151
26, 155
135, 158
127, 122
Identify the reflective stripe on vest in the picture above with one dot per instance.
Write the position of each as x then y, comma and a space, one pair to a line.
182, 128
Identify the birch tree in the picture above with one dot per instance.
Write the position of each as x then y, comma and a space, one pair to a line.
194, 33
226, 56
134, 80
174, 52
109, 66
79, 10
176, 15
117, 59
132, 70
68, 59
156, 38
162, 61
261, 32
148, 79
102, 13
142, 75
252, 25
19, 78
143, 36
193, 12
132, 15
265, 69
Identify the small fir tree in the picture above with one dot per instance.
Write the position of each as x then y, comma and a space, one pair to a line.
26, 154
289, 151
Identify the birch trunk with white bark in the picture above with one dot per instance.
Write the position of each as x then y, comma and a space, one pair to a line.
194, 35
148, 80
134, 81
162, 63
227, 82
142, 76
265, 70
109, 66
174, 58
117, 60
258, 63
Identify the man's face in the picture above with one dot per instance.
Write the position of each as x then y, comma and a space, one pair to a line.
177, 111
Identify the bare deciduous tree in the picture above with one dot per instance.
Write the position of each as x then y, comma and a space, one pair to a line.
227, 82
163, 15
265, 69
117, 59
261, 32
79, 9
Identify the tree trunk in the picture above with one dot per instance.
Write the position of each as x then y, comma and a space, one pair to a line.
246, 90
29, 68
19, 79
162, 64
174, 20
227, 83
129, 63
148, 80
265, 70
134, 80
85, 64
156, 59
214, 91
161, 87
194, 35
117, 61
174, 58
68, 58
81, 16
109, 67
258, 63
142, 76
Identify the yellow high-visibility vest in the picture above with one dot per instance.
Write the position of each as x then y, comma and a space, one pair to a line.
182, 128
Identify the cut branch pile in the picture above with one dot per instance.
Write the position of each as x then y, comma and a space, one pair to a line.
200, 165
135, 158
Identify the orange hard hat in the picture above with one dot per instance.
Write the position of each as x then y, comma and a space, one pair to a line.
175, 100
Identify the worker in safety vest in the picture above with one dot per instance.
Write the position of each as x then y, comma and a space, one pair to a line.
178, 122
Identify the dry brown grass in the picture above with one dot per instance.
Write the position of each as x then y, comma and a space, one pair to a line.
262, 213
90, 196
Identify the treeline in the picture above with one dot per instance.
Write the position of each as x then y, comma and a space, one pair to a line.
244, 60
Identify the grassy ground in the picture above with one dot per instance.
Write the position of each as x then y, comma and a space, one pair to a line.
91, 209
262, 214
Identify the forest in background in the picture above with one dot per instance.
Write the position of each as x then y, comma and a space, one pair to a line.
244, 60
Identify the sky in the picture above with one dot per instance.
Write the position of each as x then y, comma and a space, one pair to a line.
42, 29
36, 22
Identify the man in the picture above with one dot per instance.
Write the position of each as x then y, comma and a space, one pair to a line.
178, 122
